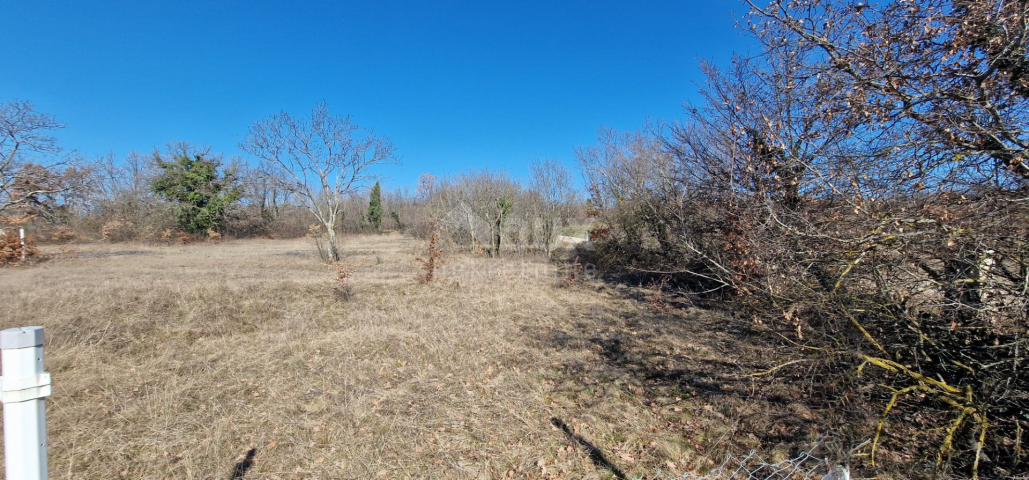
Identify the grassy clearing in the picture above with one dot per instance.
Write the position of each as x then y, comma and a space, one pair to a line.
175, 361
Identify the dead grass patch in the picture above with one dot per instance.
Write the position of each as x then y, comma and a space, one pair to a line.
177, 361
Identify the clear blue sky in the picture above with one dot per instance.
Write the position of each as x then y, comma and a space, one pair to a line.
454, 84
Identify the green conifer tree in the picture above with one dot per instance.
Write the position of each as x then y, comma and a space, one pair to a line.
375, 207
200, 194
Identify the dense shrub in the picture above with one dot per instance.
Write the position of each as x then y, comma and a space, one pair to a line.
118, 231
200, 193
883, 243
13, 251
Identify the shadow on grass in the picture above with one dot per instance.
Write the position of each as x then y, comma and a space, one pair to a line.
693, 367
596, 455
241, 468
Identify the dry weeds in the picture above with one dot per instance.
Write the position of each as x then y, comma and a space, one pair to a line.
433, 258
176, 361
15, 251
342, 275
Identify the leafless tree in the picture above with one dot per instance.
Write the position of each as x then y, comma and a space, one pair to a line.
130, 177
955, 72
121, 191
400, 207
632, 178
262, 188
859, 185
33, 180
321, 159
489, 196
937, 212
555, 198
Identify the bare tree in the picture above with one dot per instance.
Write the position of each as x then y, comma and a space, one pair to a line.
860, 186
121, 191
632, 178
551, 182
262, 189
939, 217
30, 181
491, 196
321, 159
955, 71
130, 177
473, 205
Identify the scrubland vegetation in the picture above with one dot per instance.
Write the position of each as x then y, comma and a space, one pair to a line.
828, 251
175, 361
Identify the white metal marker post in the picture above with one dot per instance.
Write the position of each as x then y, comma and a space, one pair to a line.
23, 390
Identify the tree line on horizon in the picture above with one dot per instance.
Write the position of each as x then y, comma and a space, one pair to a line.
312, 176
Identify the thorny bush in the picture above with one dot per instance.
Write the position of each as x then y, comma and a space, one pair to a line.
870, 205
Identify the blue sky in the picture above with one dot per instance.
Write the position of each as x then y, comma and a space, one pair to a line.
454, 84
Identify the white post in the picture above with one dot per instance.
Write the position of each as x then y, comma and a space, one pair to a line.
21, 232
23, 388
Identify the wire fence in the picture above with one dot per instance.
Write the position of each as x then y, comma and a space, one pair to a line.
753, 467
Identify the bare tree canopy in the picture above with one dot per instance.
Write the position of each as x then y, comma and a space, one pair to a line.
859, 186
320, 159
957, 72
31, 181
487, 196
551, 184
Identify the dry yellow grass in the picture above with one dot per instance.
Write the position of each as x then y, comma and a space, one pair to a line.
174, 361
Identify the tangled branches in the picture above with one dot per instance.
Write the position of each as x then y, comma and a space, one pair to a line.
872, 206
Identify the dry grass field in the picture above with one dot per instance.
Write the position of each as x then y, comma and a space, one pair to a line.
176, 361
